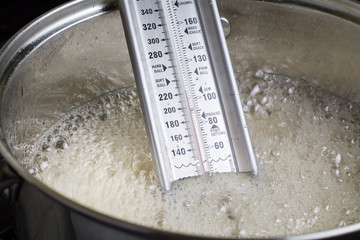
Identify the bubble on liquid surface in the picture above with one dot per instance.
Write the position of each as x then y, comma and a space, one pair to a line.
309, 164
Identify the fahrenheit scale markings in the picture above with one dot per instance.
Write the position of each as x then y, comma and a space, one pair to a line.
194, 125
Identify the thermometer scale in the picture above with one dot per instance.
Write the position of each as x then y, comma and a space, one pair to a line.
187, 88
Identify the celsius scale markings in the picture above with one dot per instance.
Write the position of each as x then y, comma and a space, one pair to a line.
187, 89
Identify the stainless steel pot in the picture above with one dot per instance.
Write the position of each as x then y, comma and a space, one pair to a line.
55, 64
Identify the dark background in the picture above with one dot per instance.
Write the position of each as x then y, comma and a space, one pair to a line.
15, 14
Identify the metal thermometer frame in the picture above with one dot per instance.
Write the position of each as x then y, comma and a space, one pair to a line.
227, 86
231, 110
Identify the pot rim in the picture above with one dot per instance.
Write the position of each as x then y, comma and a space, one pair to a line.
58, 20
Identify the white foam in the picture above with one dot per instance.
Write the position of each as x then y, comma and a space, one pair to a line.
309, 170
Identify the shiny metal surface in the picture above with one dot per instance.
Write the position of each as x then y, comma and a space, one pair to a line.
44, 72
226, 26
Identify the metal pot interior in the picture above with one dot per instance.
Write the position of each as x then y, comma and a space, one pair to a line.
78, 52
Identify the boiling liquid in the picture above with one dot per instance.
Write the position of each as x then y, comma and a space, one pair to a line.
305, 139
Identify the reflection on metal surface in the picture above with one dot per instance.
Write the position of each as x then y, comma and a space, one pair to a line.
226, 26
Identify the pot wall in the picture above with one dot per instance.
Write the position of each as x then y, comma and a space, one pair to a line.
65, 59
